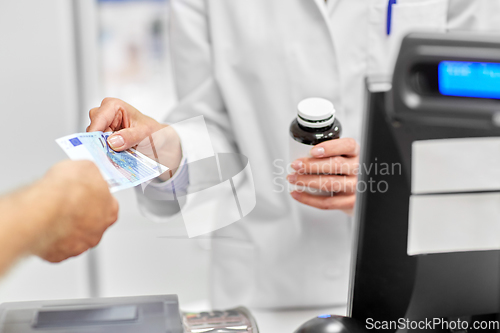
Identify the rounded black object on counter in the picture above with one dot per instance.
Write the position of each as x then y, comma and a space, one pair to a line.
331, 324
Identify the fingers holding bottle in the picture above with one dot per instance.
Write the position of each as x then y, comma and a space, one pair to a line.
337, 201
347, 147
333, 169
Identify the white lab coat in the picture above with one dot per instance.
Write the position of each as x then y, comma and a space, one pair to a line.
244, 66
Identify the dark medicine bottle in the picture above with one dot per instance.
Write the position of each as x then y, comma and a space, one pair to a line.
315, 123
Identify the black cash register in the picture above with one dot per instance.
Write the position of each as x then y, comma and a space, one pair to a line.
445, 86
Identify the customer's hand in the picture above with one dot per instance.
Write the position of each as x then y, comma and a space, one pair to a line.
333, 168
82, 209
134, 129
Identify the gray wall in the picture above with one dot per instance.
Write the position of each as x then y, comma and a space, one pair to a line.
49, 78
38, 103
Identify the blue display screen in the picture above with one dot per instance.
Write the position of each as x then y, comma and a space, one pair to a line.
469, 79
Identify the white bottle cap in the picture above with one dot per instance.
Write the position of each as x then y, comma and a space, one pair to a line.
315, 113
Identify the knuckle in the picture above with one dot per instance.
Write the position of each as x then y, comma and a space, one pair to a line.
312, 165
108, 100
52, 257
324, 205
72, 246
92, 112
114, 209
351, 144
78, 249
55, 260
94, 242
114, 213
45, 256
301, 172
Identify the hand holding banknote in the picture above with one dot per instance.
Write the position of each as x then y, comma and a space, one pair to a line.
60, 216
133, 129
79, 209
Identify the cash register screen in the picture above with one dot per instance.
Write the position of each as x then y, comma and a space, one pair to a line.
469, 79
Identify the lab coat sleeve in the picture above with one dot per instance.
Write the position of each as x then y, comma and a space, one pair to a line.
199, 95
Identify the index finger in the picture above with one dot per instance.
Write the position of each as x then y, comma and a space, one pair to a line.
104, 117
340, 147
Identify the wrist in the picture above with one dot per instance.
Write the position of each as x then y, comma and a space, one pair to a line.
28, 214
171, 153
49, 209
163, 145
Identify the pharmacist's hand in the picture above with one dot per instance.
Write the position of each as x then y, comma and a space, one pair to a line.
333, 168
79, 210
134, 129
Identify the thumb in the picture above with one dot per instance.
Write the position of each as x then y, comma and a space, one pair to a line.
126, 138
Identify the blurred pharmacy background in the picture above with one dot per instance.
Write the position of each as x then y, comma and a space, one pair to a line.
58, 59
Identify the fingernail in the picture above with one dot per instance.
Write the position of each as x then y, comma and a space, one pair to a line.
292, 178
295, 195
297, 165
318, 152
116, 141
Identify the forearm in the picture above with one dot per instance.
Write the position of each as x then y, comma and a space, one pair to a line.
25, 217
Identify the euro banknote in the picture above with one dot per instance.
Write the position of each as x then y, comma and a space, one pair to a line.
121, 170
